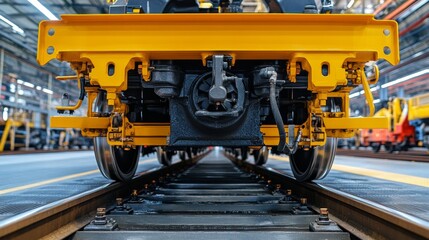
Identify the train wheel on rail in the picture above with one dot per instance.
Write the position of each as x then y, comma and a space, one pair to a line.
260, 156
114, 162
164, 157
376, 147
189, 153
182, 155
387, 146
314, 163
244, 153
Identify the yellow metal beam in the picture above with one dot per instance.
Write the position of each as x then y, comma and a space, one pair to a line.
123, 39
80, 122
356, 123
157, 133
160, 35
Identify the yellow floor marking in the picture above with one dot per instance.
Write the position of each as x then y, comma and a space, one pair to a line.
395, 177
54, 180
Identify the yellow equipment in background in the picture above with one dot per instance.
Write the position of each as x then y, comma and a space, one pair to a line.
20, 131
419, 107
419, 116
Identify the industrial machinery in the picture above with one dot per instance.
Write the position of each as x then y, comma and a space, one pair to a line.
209, 75
419, 117
408, 126
400, 135
20, 131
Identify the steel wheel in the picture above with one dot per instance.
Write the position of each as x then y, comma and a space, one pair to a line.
315, 163
244, 154
387, 146
182, 155
115, 163
164, 157
189, 153
261, 156
376, 147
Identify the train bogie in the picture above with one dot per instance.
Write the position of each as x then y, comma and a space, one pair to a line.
190, 80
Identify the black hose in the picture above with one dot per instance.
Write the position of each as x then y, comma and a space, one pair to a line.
282, 147
277, 117
82, 88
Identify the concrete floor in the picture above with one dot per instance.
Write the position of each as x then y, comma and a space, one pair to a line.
399, 185
25, 169
391, 183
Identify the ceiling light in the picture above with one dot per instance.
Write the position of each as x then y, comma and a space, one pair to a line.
403, 79
48, 91
356, 94
376, 101
373, 89
43, 9
353, 95
15, 27
28, 84
39, 88
350, 4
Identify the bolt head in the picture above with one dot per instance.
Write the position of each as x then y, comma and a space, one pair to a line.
324, 211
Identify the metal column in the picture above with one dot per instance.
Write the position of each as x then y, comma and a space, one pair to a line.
48, 115
1, 69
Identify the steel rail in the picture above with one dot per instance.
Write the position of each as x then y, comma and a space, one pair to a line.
365, 219
61, 218
416, 156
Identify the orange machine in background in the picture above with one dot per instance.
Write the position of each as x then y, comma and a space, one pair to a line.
400, 135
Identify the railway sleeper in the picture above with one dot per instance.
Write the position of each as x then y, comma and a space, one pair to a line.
212, 196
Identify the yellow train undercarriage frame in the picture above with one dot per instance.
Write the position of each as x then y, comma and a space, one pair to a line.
344, 43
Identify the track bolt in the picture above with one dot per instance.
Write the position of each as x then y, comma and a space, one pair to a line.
134, 193
288, 197
100, 217
323, 223
101, 212
303, 204
302, 208
323, 217
121, 207
101, 222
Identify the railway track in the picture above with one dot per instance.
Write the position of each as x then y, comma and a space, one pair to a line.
213, 199
416, 156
